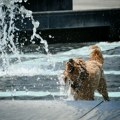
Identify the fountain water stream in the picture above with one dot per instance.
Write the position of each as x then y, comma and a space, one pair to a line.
8, 11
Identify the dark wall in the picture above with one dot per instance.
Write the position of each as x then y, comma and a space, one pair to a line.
48, 5
79, 35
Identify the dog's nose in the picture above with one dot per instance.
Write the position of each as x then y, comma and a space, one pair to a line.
73, 86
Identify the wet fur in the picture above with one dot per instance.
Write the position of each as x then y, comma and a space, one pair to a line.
84, 77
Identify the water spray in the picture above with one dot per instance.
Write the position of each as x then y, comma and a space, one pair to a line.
8, 40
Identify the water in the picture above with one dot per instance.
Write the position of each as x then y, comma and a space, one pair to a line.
30, 74
11, 12
37, 75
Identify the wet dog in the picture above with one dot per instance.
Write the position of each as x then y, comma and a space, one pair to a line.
84, 77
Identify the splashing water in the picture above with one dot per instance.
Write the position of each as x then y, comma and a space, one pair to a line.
40, 67
8, 41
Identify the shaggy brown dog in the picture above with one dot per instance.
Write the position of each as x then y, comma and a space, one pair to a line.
85, 77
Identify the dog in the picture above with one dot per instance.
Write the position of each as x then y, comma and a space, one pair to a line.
84, 77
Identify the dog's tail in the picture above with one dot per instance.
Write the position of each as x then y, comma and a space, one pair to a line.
96, 54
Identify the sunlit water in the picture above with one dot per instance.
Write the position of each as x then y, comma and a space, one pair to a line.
33, 75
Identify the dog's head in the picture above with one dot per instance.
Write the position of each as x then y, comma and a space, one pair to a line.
75, 72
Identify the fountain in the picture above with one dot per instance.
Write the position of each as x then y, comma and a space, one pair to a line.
9, 42
34, 75
10, 50
29, 75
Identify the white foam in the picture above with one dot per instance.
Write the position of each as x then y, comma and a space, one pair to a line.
86, 51
30, 93
112, 72
36, 69
42, 94
45, 64
110, 56
111, 94
107, 46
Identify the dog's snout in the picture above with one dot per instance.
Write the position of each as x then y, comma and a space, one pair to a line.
70, 67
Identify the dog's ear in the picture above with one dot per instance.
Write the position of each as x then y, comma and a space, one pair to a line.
83, 72
81, 62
